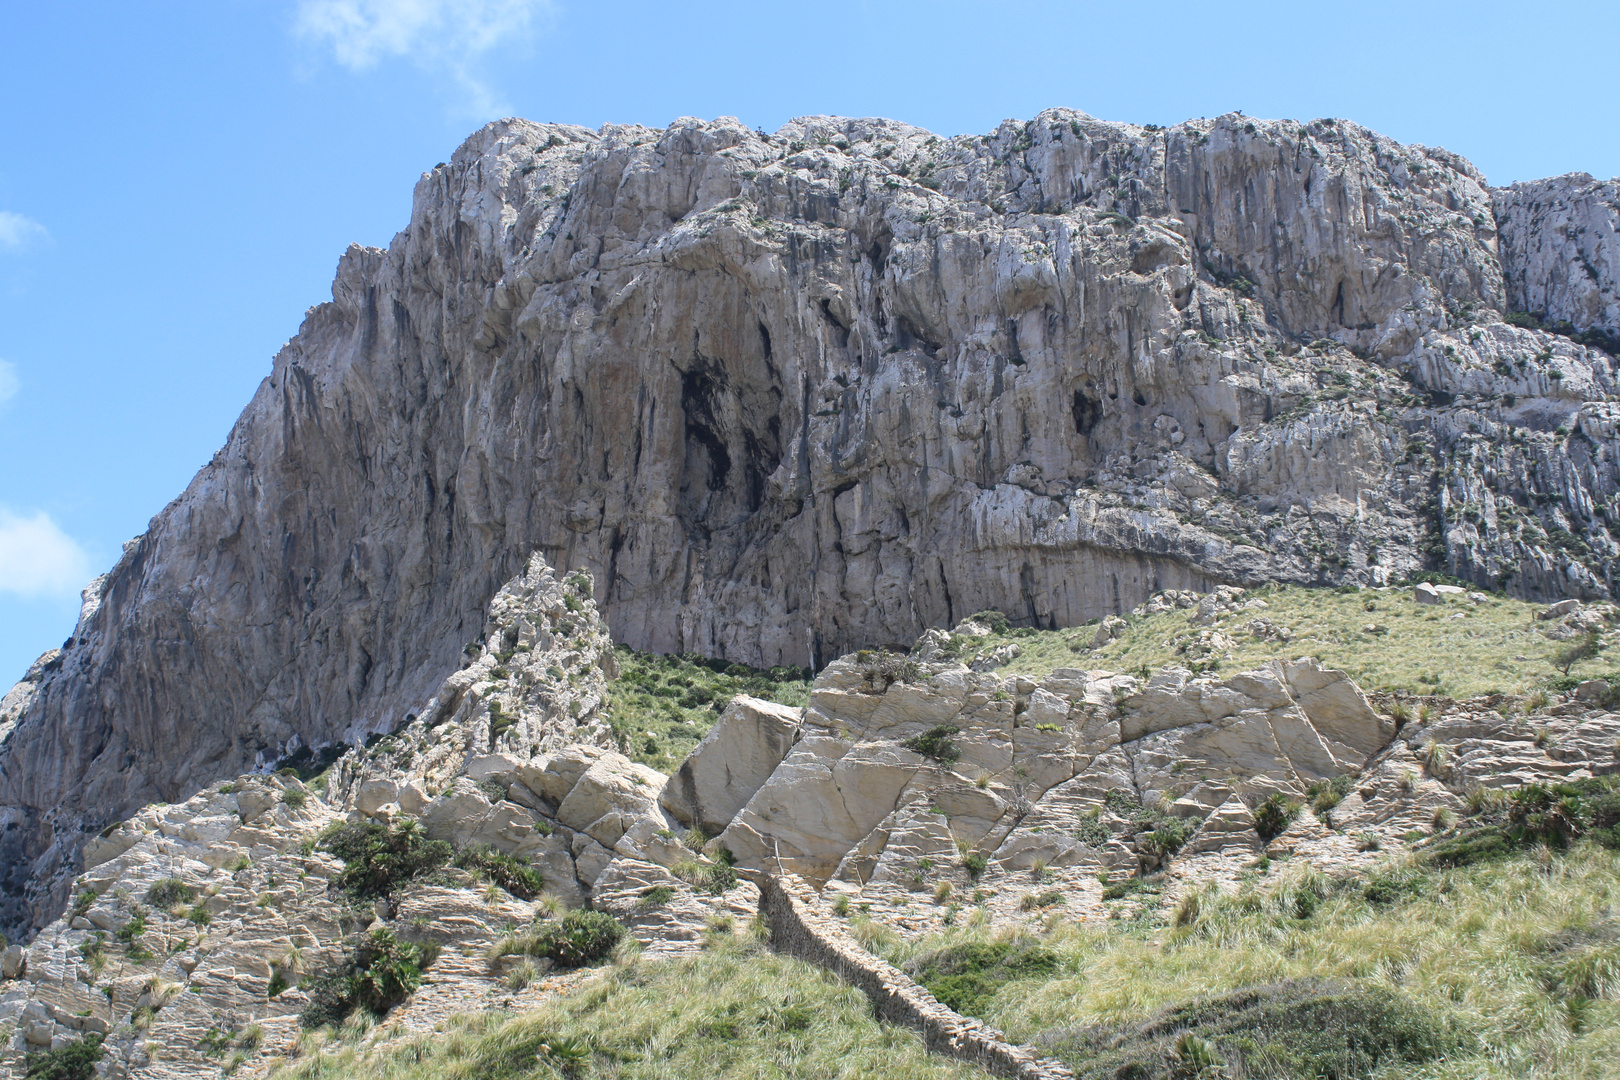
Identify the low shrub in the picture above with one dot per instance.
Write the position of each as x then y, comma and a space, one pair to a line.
1302, 1028
378, 859
1273, 816
966, 977
1555, 814
1036, 901
510, 872
935, 743
168, 892
579, 938
995, 620
380, 972
1324, 795
74, 1060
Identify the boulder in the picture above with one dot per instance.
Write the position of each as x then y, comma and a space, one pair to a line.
1228, 831
1424, 593
739, 754
457, 814
372, 795
1558, 610
1108, 630
562, 771
610, 796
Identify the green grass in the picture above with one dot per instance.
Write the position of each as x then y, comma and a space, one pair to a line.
661, 706
1506, 967
734, 1011
1422, 651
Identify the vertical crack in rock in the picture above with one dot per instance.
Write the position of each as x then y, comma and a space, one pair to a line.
788, 395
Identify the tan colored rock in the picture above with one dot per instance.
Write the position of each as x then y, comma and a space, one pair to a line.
1229, 830
611, 796
1558, 610
737, 755
373, 795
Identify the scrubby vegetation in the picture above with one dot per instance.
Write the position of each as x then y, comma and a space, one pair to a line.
1304, 1028
935, 743
734, 1012
1554, 815
578, 938
967, 976
379, 973
661, 706
377, 859
169, 892
75, 1060
1384, 640
510, 872
1506, 966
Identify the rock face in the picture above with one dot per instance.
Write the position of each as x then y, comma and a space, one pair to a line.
788, 395
193, 924
1019, 765
1561, 249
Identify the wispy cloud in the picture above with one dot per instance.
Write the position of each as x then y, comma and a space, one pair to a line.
16, 230
9, 383
37, 558
446, 37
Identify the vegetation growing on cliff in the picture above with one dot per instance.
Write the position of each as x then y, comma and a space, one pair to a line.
1386, 641
661, 706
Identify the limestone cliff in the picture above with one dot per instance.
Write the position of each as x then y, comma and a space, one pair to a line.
785, 395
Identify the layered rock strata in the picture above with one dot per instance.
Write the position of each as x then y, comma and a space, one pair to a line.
903, 784
786, 395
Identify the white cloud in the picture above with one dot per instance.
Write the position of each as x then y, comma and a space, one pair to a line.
16, 230
9, 383
37, 558
445, 36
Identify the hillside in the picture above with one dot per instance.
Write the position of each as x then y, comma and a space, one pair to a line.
1298, 880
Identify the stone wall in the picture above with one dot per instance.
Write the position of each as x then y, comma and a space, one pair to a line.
788, 908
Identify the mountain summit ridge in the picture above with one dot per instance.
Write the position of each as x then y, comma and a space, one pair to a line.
793, 394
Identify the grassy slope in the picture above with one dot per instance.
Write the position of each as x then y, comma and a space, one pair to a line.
660, 706
1521, 953
734, 1011
1425, 651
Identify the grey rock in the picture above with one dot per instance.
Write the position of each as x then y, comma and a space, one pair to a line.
1558, 610
1560, 249
787, 396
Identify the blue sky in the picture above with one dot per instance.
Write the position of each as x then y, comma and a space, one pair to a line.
178, 179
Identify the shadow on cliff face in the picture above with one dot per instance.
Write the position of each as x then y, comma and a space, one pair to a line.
789, 395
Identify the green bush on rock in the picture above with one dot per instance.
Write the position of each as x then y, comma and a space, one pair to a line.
75, 1060
579, 938
378, 859
510, 872
380, 972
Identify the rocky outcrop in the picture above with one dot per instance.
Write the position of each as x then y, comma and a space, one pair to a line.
1560, 240
888, 775
193, 924
786, 395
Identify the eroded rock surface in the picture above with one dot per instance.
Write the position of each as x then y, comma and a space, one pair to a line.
787, 395
909, 786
